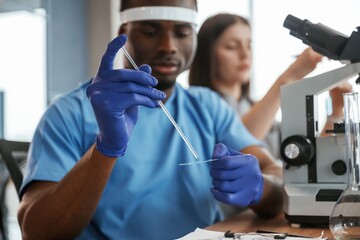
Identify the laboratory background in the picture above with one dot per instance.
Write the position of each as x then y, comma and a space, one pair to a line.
48, 47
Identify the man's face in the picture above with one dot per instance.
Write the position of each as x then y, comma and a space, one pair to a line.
167, 46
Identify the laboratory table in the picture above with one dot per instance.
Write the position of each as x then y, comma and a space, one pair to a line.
248, 221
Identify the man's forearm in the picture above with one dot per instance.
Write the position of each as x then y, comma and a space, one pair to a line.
62, 210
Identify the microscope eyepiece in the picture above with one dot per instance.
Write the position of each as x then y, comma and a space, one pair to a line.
292, 23
321, 38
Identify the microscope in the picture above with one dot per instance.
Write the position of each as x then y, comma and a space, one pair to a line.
315, 167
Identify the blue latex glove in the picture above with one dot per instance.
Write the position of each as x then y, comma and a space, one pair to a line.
115, 95
237, 178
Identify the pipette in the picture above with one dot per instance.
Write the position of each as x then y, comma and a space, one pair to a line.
164, 108
192, 163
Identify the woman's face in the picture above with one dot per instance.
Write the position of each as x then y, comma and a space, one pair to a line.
232, 57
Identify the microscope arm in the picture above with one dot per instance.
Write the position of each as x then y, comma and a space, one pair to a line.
293, 97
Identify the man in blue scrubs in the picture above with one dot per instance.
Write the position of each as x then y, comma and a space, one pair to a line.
104, 160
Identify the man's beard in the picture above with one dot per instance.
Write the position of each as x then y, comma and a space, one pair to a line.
165, 85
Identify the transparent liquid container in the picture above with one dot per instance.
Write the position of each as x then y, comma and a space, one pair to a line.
344, 221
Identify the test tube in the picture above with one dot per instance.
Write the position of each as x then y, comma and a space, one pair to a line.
164, 109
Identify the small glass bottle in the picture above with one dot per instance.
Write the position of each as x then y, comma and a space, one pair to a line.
344, 221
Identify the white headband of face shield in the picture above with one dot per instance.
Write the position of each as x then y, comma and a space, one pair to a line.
159, 13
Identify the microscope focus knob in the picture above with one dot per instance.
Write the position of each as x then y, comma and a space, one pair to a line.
297, 150
339, 167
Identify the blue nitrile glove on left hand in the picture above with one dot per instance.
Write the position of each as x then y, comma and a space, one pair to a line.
115, 95
237, 178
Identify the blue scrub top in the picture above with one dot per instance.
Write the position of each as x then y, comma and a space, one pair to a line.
148, 196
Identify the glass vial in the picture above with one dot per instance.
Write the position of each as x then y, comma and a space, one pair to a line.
344, 220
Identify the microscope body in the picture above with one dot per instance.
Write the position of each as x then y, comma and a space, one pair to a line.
315, 167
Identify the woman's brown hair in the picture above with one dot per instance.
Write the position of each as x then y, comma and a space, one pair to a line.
201, 70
